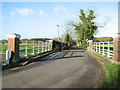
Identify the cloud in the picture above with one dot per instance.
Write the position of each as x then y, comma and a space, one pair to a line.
12, 13
24, 11
41, 12
59, 8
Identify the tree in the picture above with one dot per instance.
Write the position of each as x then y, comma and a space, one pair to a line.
67, 39
86, 28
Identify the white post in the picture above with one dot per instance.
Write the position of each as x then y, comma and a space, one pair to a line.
96, 46
45, 46
108, 49
42, 46
103, 49
99, 48
7, 56
48, 46
38, 47
33, 48
26, 49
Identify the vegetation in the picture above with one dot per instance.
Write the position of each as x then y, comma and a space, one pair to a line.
86, 28
111, 79
102, 39
67, 39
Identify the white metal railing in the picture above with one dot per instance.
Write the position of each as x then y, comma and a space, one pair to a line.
103, 48
33, 47
7, 58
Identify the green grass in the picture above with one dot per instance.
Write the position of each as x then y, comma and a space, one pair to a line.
31, 49
3, 48
111, 79
111, 73
111, 70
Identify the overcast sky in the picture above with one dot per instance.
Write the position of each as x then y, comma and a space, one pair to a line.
39, 19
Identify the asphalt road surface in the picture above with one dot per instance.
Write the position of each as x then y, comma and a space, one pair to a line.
68, 69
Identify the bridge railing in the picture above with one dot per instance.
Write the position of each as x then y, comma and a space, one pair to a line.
6, 61
103, 48
33, 47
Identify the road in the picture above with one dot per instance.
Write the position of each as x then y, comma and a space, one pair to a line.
73, 69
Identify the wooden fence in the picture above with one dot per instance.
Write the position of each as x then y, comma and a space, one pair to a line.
103, 48
33, 47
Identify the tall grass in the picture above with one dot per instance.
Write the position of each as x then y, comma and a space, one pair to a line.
111, 79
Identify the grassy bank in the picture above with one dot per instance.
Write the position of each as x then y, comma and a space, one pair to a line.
111, 79
111, 72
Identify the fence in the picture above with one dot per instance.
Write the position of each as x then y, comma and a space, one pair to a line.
109, 49
103, 48
5, 62
17, 48
33, 47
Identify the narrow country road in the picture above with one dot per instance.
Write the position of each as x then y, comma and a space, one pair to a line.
73, 69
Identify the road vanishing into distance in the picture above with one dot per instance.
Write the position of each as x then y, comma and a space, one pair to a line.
72, 68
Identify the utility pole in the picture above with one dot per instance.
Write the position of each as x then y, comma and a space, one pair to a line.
58, 31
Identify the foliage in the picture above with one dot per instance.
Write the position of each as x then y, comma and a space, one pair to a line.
67, 37
56, 45
111, 76
59, 46
86, 28
102, 39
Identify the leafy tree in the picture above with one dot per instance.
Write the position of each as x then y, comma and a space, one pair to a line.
86, 28
67, 39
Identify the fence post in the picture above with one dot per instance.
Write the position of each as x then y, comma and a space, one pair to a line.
45, 46
51, 44
33, 48
116, 48
99, 48
42, 46
26, 49
96, 46
90, 44
7, 56
108, 49
103, 49
13, 46
48, 46
38, 47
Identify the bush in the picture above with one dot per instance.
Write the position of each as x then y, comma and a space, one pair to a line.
59, 46
56, 46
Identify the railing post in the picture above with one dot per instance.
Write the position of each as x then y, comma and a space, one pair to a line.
7, 56
45, 46
103, 49
108, 49
38, 47
96, 46
13, 46
33, 48
26, 49
99, 48
89, 44
42, 46
51, 44
116, 48
48, 46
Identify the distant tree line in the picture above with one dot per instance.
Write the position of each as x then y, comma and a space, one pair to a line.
102, 39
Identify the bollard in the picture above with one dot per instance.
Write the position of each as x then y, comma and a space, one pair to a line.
7, 56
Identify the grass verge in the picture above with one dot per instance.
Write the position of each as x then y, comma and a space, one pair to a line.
111, 77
